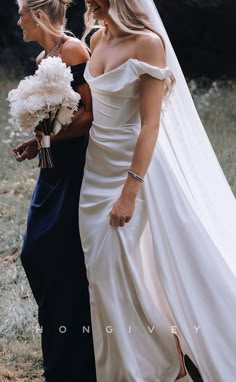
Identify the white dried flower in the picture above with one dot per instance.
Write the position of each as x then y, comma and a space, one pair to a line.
52, 71
44, 95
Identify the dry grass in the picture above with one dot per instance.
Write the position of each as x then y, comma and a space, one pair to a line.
20, 362
18, 310
20, 355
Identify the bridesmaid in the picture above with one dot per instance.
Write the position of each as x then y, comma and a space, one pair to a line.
52, 255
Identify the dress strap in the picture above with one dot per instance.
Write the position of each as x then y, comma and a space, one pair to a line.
78, 74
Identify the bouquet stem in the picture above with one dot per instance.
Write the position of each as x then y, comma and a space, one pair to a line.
45, 160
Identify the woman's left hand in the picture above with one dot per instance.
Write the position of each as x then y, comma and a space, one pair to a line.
122, 211
26, 150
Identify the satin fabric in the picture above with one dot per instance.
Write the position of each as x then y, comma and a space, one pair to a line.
164, 261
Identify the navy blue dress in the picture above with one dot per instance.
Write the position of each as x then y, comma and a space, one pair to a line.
53, 260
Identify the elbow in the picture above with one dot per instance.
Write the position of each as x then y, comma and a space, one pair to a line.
151, 126
88, 119
85, 123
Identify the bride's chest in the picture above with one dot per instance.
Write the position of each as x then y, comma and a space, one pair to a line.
122, 80
107, 58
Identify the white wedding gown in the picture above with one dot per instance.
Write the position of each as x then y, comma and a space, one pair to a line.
164, 267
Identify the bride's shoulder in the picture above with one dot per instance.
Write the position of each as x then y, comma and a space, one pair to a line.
150, 49
96, 38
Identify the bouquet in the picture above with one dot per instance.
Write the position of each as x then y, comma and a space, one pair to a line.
46, 102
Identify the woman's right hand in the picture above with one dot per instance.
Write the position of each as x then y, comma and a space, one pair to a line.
122, 211
26, 150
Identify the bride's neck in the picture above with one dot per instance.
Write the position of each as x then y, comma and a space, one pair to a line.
113, 31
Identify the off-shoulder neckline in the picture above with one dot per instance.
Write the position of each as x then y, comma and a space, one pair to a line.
120, 66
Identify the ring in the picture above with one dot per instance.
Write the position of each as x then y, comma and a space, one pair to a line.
19, 158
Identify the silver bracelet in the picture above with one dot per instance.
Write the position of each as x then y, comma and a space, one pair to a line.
135, 176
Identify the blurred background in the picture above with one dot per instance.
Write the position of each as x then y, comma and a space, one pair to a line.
202, 31
203, 34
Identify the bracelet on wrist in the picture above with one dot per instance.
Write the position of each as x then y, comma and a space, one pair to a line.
135, 176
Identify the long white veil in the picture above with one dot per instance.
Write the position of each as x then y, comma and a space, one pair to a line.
192, 158
188, 249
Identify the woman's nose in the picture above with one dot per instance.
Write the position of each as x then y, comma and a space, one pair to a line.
18, 23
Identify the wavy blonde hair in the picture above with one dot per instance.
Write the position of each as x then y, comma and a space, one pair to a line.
131, 18
128, 15
53, 10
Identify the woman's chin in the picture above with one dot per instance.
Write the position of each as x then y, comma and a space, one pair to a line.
97, 15
26, 37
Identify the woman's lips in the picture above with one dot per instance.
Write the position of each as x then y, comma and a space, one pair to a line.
94, 9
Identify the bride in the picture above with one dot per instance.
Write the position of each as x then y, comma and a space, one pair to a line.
157, 216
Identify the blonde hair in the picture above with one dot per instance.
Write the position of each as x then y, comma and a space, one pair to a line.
131, 18
53, 10
128, 15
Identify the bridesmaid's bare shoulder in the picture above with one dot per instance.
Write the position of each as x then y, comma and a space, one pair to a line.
74, 52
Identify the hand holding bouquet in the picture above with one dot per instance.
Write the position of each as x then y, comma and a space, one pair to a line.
45, 101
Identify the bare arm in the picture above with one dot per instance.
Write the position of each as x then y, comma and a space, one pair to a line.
151, 95
73, 53
82, 118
